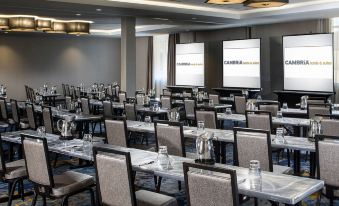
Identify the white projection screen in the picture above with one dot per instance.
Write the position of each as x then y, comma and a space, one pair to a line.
241, 60
308, 62
190, 64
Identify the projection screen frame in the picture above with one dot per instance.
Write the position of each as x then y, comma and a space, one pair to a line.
175, 77
260, 88
291, 35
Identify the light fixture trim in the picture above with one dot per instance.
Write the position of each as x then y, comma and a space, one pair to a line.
22, 23
43, 24
265, 3
78, 28
57, 28
4, 23
224, 2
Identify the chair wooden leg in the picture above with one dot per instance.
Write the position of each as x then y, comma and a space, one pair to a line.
65, 201
34, 198
44, 200
55, 160
10, 195
92, 197
179, 185
22, 190
159, 184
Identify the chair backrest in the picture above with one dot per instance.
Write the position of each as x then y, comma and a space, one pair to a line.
114, 178
189, 105
63, 89
208, 115
2, 160
240, 104
330, 127
85, 106
327, 153
259, 120
67, 91
316, 101
68, 101
140, 98
31, 116
130, 111
37, 160
166, 102
209, 185
72, 92
122, 97
252, 144
215, 98
15, 111
116, 90
48, 119
108, 110
166, 92
116, 132
170, 134
322, 109
78, 92
110, 90
272, 107
3, 108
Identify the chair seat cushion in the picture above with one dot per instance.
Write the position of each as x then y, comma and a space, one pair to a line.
24, 125
282, 169
190, 116
147, 198
3, 125
71, 182
16, 169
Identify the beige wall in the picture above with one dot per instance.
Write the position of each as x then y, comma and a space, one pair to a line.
35, 59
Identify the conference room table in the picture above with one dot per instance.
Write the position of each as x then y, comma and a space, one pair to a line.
301, 112
222, 137
285, 189
50, 97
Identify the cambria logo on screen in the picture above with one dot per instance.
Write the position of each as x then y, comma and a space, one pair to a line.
240, 62
307, 62
189, 64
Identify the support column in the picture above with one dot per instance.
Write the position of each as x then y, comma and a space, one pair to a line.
128, 55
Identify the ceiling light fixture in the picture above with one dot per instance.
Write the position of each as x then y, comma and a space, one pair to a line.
225, 1
77, 28
43, 24
4, 24
57, 27
22, 24
265, 3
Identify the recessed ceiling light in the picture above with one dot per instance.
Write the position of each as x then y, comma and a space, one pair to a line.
225, 1
99, 9
162, 19
193, 18
78, 14
265, 3
6, 32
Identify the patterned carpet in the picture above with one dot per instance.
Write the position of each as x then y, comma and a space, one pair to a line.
144, 181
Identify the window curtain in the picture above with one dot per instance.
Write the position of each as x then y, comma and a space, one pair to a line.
335, 30
171, 62
150, 64
160, 56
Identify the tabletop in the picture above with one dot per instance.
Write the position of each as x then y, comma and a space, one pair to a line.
301, 122
291, 142
281, 188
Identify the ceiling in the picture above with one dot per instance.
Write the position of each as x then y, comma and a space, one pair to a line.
164, 16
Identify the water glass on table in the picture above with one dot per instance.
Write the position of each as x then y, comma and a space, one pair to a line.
279, 114
254, 175
87, 143
41, 131
148, 120
163, 159
210, 103
285, 106
228, 111
200, 126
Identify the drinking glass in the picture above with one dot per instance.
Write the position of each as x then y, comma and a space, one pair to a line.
210, 102
148, 120
228, 111
285, 105
163, 159
279, 137
201, 126
87, 143
254, 175
279, 114
41, 131
259, 98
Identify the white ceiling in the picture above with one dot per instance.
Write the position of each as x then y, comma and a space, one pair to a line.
160, 16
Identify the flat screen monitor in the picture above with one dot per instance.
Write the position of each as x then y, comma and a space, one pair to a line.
308, 62
190, 64
241, 60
